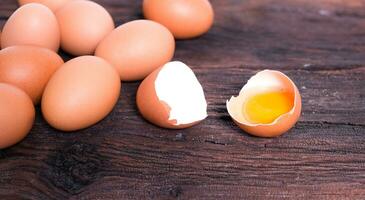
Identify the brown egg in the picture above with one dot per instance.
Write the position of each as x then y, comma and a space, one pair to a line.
83, 25
32, 24
81, 93
29, 68
172, 97
184, 18
137, 48
16, 115
267, 106
54, 5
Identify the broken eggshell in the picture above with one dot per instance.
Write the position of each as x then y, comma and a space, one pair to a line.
172, 97
266, 81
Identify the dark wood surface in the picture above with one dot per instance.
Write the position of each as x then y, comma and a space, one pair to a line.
319, 44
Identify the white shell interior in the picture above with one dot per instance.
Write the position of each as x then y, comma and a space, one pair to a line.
263, 81
177, 85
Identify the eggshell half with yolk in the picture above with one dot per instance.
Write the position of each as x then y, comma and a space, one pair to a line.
266, 81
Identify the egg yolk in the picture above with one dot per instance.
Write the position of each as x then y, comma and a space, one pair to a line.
264, 108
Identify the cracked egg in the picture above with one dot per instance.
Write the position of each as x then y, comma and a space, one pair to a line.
172, 97
267, 106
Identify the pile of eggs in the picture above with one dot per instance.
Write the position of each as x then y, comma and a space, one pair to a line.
81, 92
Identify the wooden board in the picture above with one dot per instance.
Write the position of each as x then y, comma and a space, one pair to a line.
319, 44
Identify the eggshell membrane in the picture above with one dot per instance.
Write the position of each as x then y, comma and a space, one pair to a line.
137, 48
16, 115
152, 108
81, 93
258, 84
83, 25
32, 24
184, 18
29, 68
54, 5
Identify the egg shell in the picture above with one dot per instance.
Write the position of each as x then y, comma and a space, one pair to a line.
81, 93
137, 48
83, 25
283, 123
16, 115
54, 5
152, 108
184, 18
32, 24
29, 68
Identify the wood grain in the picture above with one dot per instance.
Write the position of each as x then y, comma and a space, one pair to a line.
319, 44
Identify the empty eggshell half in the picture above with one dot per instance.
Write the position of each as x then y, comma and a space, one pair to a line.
266, 82
32, 24
54, 5
172, 97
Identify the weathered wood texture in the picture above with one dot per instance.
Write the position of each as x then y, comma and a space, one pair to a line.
319, 44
